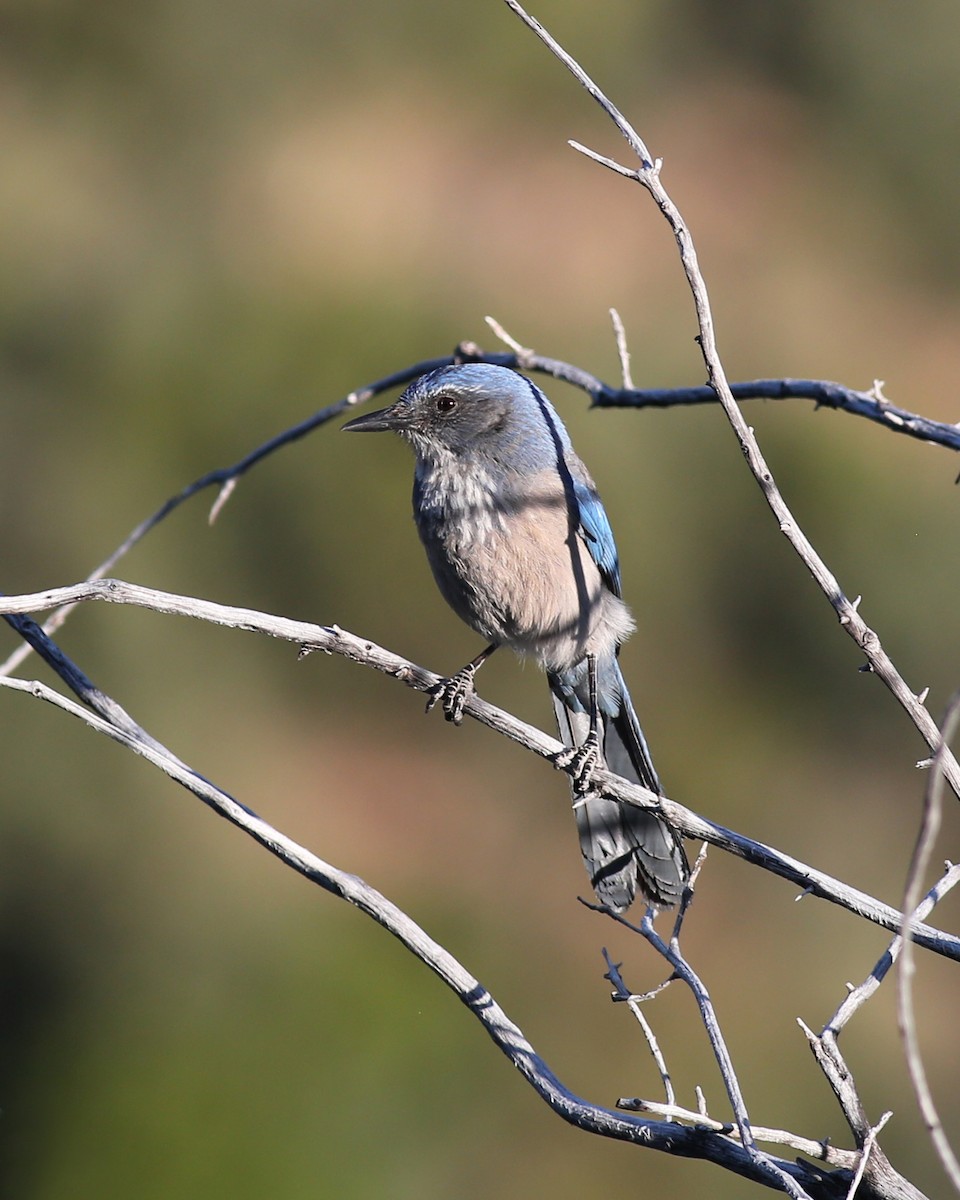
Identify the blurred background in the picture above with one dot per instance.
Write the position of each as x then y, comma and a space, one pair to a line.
220, 217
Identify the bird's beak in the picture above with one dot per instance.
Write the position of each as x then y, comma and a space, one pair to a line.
376, 422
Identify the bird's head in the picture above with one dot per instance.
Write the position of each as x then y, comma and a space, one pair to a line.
465, 410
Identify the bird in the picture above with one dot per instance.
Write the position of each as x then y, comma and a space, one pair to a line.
522, 550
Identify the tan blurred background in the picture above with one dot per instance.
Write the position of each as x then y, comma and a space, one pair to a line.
219, 217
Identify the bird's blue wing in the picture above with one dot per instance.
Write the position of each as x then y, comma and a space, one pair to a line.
597, 534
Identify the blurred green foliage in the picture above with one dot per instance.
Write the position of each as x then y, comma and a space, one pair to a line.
220, 217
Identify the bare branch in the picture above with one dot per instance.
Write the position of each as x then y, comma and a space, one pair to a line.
706, 1139
711, 1024
335, 640
225, 478
873, 1164
623, 350
823, 393
686, 896
682, 970
107, 717
648, 175
610, 163
626, 129
521, 352
875, 1168
858, 996
823, 1151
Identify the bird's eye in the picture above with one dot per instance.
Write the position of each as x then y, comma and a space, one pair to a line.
446, 404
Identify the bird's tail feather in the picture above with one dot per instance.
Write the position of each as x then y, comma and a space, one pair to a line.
624, 848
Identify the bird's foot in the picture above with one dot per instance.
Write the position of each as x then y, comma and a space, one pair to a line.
453, 693
581, 762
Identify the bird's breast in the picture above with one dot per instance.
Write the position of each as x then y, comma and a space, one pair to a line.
462, 503
508, 560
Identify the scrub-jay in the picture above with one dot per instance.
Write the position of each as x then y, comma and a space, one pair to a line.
522, 550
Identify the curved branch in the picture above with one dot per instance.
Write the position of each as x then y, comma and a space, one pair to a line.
824, 393
870, 404
648, 176
226, 478
335, 640
665, 1136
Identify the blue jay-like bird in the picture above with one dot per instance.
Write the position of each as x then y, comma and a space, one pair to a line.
522, 550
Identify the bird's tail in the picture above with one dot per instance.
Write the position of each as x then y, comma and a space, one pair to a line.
624, 848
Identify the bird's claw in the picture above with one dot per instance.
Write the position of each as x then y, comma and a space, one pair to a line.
580, 763
453, 693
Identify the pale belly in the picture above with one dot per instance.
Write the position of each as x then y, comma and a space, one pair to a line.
532, 586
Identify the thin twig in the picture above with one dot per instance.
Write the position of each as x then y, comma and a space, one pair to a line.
682, 970
711, 1024
623, 350
822, 1151
623, 994
633, 138
686, 896
522, 352
869, 1145
926, 838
